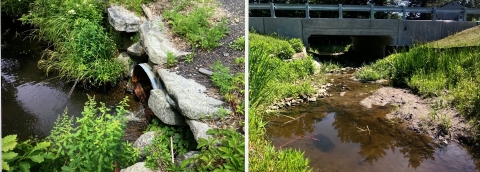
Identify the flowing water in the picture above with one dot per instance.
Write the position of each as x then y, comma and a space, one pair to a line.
32, 101
338, 134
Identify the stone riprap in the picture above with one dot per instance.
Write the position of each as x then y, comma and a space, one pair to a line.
156, 43
138, 167
136, 50
123, 20
162, 110
191, 100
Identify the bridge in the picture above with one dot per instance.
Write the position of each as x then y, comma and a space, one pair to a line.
368, 35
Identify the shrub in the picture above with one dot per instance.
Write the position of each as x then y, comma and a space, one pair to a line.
271, 45
82, 49
297, 44
93, 142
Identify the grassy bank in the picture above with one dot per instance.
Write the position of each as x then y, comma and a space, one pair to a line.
81, 50
271, 79
447, 68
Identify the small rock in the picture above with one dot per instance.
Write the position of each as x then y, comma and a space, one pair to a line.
226, 54
179, 159
205, 72
342, 93
138, 167
136, 50
312, 99
143, 141
199, 129
124, 58
288, 99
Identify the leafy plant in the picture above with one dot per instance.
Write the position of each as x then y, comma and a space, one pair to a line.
95, 144
238, 44
171, 59
196, 25
189, 58
240, 61
28, 156
232, 87
228, 156
158, 153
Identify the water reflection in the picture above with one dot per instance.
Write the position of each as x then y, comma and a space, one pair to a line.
360, 136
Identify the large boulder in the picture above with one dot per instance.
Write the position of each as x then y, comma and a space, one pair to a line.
199, 129
123, 20
156, 43
143, 141
191, 100
161, 108
138, 167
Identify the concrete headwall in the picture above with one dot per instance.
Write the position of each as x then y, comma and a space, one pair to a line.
401, 32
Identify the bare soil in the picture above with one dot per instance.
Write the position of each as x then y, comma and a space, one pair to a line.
418, 115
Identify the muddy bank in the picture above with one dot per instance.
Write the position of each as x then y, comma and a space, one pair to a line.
426, 116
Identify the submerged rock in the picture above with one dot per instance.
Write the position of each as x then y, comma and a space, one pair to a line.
123, 20
162, 110
323, 143
191, 100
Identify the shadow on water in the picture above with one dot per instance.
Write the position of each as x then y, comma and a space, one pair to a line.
32, 101
338, 134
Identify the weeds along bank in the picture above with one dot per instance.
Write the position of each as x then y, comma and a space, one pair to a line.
443, 69
270, 79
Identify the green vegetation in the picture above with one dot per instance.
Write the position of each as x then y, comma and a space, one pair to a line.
83, 51
171, 59
231, 87
29, 155
272, 45
134, 5
189, 58
442, 69
228, 156
270, 79
297, 44
329, 48
195, 22
158, 153
15, 8
238, 44
91, 143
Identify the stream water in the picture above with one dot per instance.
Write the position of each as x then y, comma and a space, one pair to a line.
338, 134
32, 101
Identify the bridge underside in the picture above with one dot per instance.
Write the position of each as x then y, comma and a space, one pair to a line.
365, 33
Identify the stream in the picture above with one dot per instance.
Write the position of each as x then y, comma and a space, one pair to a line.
338, 134
32, 101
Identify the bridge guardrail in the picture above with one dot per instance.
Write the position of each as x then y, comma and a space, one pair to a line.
362, 8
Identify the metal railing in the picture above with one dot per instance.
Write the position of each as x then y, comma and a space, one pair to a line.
364, 8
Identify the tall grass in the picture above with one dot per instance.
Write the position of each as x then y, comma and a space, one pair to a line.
270, 78
453, 73
82, 49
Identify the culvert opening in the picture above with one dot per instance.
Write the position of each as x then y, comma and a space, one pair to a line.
144, 80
